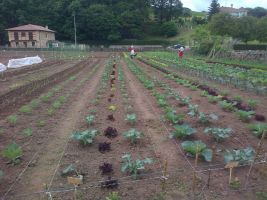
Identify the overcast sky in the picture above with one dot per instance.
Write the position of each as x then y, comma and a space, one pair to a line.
200, 5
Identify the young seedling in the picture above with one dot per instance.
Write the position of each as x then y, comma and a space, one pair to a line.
133, 167
193, 110
90, 119
13, 152
50, 111
12, 119
245, 116
131, 118
111, 132
182, 131
35, 103
41, 123
133, 135
258, 129
113, 196
226, 106
253, 103
85, 137
28, 132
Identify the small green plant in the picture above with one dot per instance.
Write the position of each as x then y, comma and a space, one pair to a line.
41, 123
90, 119
213, 99
241, 156
35, 103
162, 102
133, 167
85, 137
253, 103
174, 118
129, 109
226, 106
50, 111
62, 99
12, 119
237, 98
13, 152
69, 170
56, 104
193, 88
197, 147
193, 110
57, 88
46, 97
112, 107
72, 78
225, 92
182, 131
235, 184
204, 93
131, 118
218, 133
113, 196
203, 118
258, 129
261, 195
28, 132
26, 109
184, 101
133, 135
245, 116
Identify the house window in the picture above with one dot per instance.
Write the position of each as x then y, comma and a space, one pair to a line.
46, 35
30, 36
25, 44
33, 44
17, 44
23, 34
16, 35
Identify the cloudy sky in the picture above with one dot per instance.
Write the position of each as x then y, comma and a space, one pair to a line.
200, 5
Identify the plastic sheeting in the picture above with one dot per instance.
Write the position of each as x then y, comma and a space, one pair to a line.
17, 63
2, 67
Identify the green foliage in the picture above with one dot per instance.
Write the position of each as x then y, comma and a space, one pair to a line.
237, 98
169, 29
62, 99
50, 111
56, 104
262, 30
174, 118
253, 103
261, 195
85, 137
46, 97
12, 119
241, 156
90, 119
185, 101
113, 196
213, 99
28, 132
222, 24
218, 133
245, 116
214, 8
193, 110
204, 93
133, 167
131, 118
226, 106
183, 131
35, 103
197, 147
203, 118
133, 135
258, 129
41, 123
26, 109
13, 152
69, 170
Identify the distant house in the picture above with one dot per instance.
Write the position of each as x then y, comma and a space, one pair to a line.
30, 36
241, 12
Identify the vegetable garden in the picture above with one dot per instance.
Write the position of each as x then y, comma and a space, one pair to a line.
112, 127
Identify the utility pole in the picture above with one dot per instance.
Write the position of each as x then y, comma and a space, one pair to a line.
75, 32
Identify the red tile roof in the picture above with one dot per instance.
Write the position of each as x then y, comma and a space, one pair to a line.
232, 10
30, 27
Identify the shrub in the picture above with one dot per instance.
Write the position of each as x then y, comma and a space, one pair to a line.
169, 29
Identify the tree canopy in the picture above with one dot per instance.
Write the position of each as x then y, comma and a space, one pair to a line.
214, 8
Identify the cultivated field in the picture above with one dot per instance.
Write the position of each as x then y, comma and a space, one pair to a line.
149, 128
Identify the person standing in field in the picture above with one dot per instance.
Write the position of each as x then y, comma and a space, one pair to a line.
132, 51
181, 52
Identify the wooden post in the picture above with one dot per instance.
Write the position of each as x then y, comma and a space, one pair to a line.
164, 178
194, 174
231, 166
208, 184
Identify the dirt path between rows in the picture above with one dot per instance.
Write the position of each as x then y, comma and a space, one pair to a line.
35, 178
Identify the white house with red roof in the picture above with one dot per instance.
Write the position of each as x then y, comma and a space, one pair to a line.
30, 36
236, 12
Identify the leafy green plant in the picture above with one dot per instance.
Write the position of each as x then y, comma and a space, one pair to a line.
13, 152
240, 155
47, 96
113, 196
149, 85
213, 99
62, 99
133, 135
245, 116
225, 92
85, 137
174, 118
131, 118
90, 119
218, 133
72, 78
50, 111
237, 98
193, 87
204, 93
12, 119
26, 109
235, 184
133, 167
258, 129
69, 170
226, 106
28, 132
56, 104
162, 102
41, 123
184, 101
182, 131
197, 147
203, 118
193, 110
253, 103
35, 103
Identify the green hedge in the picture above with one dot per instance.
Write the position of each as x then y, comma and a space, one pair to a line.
241, 47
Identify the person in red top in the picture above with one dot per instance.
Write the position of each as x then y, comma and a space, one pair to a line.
132, 51
181, 52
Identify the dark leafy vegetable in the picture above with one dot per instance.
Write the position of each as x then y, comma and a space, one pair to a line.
105, 146
111, 117
106, 168
111, 132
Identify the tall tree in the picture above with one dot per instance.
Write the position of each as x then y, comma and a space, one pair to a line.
214, 8
262, 30
257, 12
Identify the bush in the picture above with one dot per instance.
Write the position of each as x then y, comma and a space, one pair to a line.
169, 29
